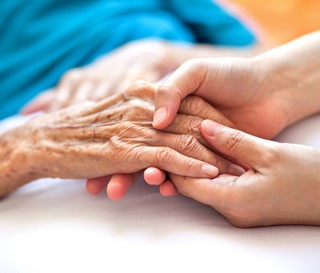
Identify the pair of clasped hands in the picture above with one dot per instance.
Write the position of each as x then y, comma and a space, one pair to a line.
266, 183
274, 183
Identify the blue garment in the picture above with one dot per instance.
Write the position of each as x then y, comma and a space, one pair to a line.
40, 40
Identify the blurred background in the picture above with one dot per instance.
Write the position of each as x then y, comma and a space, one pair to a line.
283, 20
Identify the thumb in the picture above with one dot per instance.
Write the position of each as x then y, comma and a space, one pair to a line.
235, 144
184, 81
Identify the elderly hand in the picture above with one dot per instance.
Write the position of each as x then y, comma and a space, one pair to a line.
191, 113
281, 184
112, 136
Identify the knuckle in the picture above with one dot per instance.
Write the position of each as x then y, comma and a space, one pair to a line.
234, 141
191, 105
188, 143
73, 74
140, 89
162, 157
196, 104
194, 124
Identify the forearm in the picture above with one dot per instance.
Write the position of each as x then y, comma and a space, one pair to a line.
14, 163
297, 67
185, 52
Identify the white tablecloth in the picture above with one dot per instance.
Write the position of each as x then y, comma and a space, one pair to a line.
55, 226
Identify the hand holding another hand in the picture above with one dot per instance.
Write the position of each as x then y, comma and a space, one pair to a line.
281, 184
109, 137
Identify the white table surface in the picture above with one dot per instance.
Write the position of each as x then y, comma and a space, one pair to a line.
55, 226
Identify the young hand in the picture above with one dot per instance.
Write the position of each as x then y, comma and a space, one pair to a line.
281, 184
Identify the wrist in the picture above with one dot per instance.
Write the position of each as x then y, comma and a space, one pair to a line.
312, 196
15, 161
295, 75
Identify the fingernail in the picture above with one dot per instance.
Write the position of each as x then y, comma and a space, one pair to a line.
209, 170
160, 115
208, 127
236, 170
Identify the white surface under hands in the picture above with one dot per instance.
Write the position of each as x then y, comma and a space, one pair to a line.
53, 225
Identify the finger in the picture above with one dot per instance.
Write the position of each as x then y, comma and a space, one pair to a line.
139, 89
154, 176
172, 161
104, 104
184, 81
191, 144
95, 185
66, 89
102, 91
213, 192
83, 93
196, 106
167, 188
119, 185
236, 144
136, 75
40, 103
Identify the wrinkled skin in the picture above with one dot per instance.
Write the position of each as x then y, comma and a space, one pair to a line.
112, 136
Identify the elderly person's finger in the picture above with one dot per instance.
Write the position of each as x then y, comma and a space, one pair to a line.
83, 92
40, 103
195, 106
102, 90
66, 89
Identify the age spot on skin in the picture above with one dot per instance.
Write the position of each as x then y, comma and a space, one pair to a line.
45, 170
48, 150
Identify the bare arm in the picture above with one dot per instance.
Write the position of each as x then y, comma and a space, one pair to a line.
296, 67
